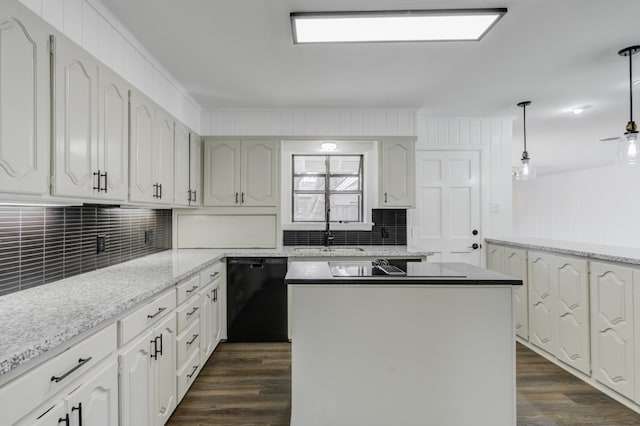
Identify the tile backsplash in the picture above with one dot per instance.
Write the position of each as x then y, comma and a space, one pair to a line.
390, 228
39, 245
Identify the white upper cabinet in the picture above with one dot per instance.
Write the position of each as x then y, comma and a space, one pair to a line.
258, 175
241, 173
397, 177
24, 102
151, 152
91, 126
76, 121
195, 169
182, 195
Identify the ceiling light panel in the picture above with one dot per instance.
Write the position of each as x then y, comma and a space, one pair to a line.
393, 26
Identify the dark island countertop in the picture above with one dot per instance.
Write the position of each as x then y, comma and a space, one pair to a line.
419, 273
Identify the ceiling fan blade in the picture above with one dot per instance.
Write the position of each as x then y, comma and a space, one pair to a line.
610, 139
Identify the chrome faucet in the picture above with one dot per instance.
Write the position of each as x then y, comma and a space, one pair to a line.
328, 236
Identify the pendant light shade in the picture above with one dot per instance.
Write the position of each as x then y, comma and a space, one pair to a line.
527, 169
628, 149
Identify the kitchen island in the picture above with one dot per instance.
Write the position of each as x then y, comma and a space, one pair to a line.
434, 347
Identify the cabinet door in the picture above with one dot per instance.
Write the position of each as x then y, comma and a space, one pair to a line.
141, 176
397, 178
541, 310
182, 194
571, 292
95, 403
76, 121
136, 383
113, 136
217, 317
206, 323
259, 173
515, 265
195, 169
222, 173
165, 370
163, 155
24, 101
612, 327
495, 258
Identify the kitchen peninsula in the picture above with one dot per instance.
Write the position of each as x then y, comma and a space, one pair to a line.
434, 346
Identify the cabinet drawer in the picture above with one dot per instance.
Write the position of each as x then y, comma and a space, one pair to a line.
187, 313
188, 341
145, 317
188, 288
28, 391
210, 274
187, 374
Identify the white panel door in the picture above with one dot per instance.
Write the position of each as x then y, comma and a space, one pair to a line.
612, 316
182, 194
195, 169
113, 136
217, 315
164, 366
136, 382
142, 186
222, 173
397, 179
448, 205
541, 304
163, 156
259, 173
24, 101
95, 403
495, 258
515, 265
571, 292
76, 121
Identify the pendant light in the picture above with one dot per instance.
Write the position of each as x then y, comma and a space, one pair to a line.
628, 149
526, 170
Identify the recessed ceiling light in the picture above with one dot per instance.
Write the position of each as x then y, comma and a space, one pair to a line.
577, 110
393, 25
328, 146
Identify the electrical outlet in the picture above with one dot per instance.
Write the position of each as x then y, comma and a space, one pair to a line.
101, 243
148, 237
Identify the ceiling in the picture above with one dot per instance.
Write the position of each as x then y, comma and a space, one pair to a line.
239, 54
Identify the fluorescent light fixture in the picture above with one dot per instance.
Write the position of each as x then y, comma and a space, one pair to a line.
328, 146
393, 25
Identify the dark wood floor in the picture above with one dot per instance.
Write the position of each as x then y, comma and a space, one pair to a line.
250, 384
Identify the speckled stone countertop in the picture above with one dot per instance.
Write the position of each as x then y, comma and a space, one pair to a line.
629, 255
37, 320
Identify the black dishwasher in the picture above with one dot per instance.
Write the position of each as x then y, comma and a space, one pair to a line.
256, 299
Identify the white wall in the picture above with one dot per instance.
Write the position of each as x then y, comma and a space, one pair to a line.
599, 205
91, 25
493, 136
300, 122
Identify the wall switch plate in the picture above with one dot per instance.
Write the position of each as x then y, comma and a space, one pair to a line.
101, 243
148, 237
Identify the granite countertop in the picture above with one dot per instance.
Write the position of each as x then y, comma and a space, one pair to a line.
37, 320
423, 274
629, 255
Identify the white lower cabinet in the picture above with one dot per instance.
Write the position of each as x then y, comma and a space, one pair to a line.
612, 318
147, 374
541, 306
210, 320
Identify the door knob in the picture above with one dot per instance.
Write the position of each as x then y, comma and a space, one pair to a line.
474, 246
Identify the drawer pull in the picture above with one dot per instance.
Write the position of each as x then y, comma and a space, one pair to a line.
79, 409
192, 289
64, 420
160, 310
81, 362
195, 336
193, 311
195, 368
215, 274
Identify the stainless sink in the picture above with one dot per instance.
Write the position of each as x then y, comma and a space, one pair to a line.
329, 249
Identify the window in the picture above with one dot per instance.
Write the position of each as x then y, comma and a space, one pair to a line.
322, 182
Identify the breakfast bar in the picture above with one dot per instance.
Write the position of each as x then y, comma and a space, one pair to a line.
430, 343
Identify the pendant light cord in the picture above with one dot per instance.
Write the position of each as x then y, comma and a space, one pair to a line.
524, 125
630, 87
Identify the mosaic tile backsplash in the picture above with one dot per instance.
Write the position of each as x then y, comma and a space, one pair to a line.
390, 228
39, 245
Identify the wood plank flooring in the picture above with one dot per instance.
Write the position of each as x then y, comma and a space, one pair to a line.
250, 384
